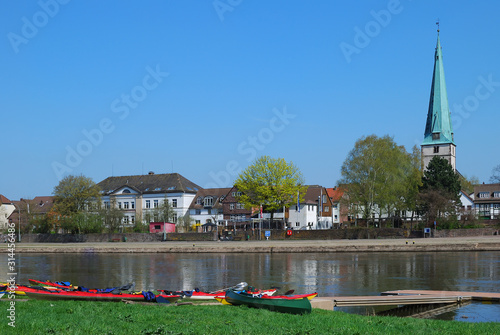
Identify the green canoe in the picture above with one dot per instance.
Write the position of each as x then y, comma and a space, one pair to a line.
296, 306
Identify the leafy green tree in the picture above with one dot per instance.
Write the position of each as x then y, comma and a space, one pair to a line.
413, 183
376, 175
74, 194
439, 195
468, 184
165, 212
184, 222
111, 218
270, 182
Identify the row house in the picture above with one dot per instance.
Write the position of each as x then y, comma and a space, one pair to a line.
140, 197
31, 210
6, 209
339, 213
206, 208
487, 200
314, 212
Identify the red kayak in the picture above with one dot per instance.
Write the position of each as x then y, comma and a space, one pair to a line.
40, 293
199, 295
49, 283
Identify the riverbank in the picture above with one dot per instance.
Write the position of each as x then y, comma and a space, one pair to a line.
85, 317
478, 243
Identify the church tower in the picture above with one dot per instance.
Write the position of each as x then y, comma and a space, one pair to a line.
438, 136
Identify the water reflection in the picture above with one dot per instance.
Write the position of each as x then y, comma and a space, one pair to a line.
329, 274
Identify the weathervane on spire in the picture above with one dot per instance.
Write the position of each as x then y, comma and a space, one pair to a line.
437, 23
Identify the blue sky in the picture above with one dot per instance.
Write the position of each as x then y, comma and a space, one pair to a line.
201, 88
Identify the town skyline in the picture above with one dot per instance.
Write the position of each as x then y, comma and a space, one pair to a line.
204, 89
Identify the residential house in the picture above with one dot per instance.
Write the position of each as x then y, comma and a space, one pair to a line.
6, 209
467, 207
140, 197
32, 211
206, 208
314, 212
487, 200
339, 212
235, 214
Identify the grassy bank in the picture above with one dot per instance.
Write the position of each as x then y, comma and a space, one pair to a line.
81, 317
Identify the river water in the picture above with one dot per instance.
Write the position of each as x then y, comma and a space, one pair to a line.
329, 274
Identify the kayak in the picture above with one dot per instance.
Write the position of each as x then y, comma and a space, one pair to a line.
309, 296
292, 306
53, 284
40, 293
199, 295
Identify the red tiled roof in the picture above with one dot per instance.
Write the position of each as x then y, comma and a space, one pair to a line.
335, 193
4, 200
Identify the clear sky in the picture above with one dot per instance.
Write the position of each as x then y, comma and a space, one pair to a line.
102, 88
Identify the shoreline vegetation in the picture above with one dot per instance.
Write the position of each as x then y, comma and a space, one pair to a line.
85, 317
477, 243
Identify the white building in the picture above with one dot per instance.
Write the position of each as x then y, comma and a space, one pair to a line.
313, 212
206, 207
6, 209
140, 197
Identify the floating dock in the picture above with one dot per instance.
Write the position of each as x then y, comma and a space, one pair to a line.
481, 296
390, 300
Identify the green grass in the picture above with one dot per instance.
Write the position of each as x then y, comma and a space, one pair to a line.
81, 317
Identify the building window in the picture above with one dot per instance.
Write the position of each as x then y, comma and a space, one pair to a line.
327, 209
484, 195
198, 211
239, 206
208, 201
231, 206
106, 204
120, 205
148, 204
436, 149
199, 200
174, 203
125, 205
174, 217
132, 204
157, 226
297, 224
436, 136
496, 194
132, 219
155, 203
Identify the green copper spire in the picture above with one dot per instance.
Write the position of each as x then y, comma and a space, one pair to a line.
438, 127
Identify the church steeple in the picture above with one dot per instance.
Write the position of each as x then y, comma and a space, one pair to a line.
438, 128
438, 135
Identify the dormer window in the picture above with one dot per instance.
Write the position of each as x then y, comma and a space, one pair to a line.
436, 136
208, 201
126, 191
199, 200
484, 195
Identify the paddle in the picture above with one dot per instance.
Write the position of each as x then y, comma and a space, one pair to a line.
238, 287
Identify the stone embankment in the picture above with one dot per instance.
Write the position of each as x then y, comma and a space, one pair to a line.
479, 243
